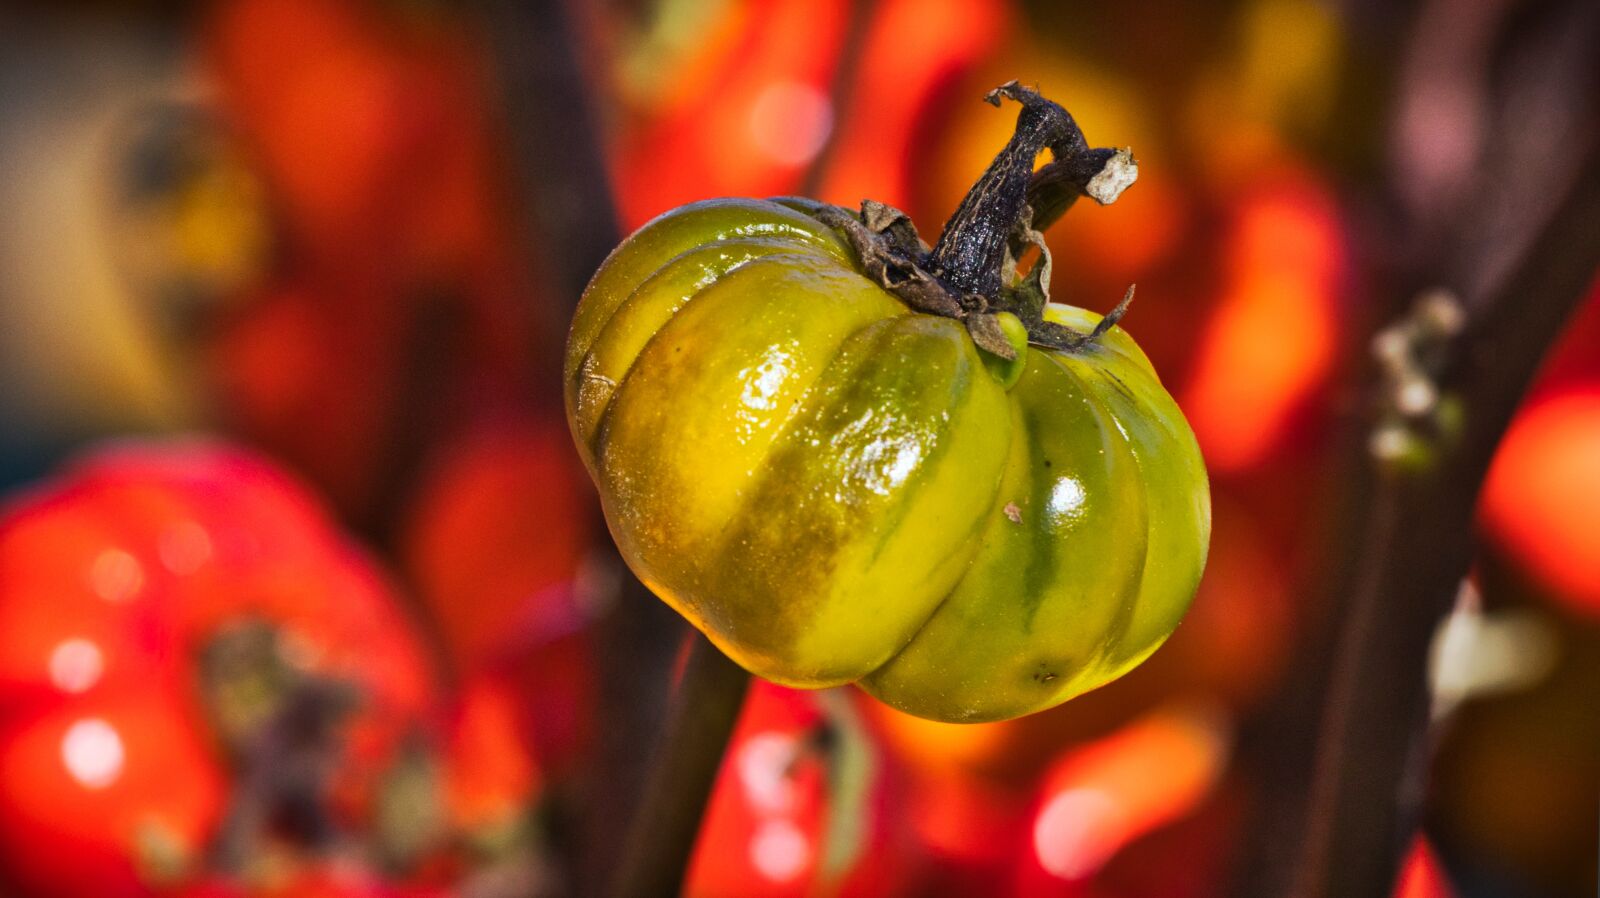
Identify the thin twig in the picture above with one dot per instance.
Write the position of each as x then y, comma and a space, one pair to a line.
553, 119
552, 113
1417, 549
417, 409
661, 838
1339, 762
1411, 544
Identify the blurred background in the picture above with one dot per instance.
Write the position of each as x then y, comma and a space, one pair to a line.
303, 591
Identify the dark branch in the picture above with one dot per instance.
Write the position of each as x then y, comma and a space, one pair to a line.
553, 125
552, 117
1340, 761
1418, 547
660, 840
1406, 548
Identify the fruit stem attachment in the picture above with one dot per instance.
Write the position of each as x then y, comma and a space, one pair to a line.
972, 253
971, 274
661, 837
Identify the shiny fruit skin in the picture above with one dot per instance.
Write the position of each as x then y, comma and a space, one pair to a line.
836, 489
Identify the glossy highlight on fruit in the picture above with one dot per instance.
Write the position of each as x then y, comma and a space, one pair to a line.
836, 488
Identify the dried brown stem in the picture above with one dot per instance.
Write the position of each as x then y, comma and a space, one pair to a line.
971, 254
970, 274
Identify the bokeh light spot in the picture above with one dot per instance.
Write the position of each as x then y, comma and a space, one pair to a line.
1542, 491
1076, 832
790, 121
1271, 340
779, 850
185, 546
116, 576
92, 752
76, 665
763, 764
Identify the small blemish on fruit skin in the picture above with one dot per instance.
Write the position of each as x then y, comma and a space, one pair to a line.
1044, 676
1013, 512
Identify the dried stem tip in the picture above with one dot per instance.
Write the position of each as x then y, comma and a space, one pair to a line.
971, 253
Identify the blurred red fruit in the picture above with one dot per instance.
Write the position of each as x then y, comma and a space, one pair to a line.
161, 607
491, 779
339, 101
399, 310
495, 540
967, 829
107, 794
495, 536
321, 881
805, 804
739, 112
915, 54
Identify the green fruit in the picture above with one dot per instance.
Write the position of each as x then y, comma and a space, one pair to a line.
836, 488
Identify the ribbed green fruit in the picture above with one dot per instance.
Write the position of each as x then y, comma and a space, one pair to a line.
835, 488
